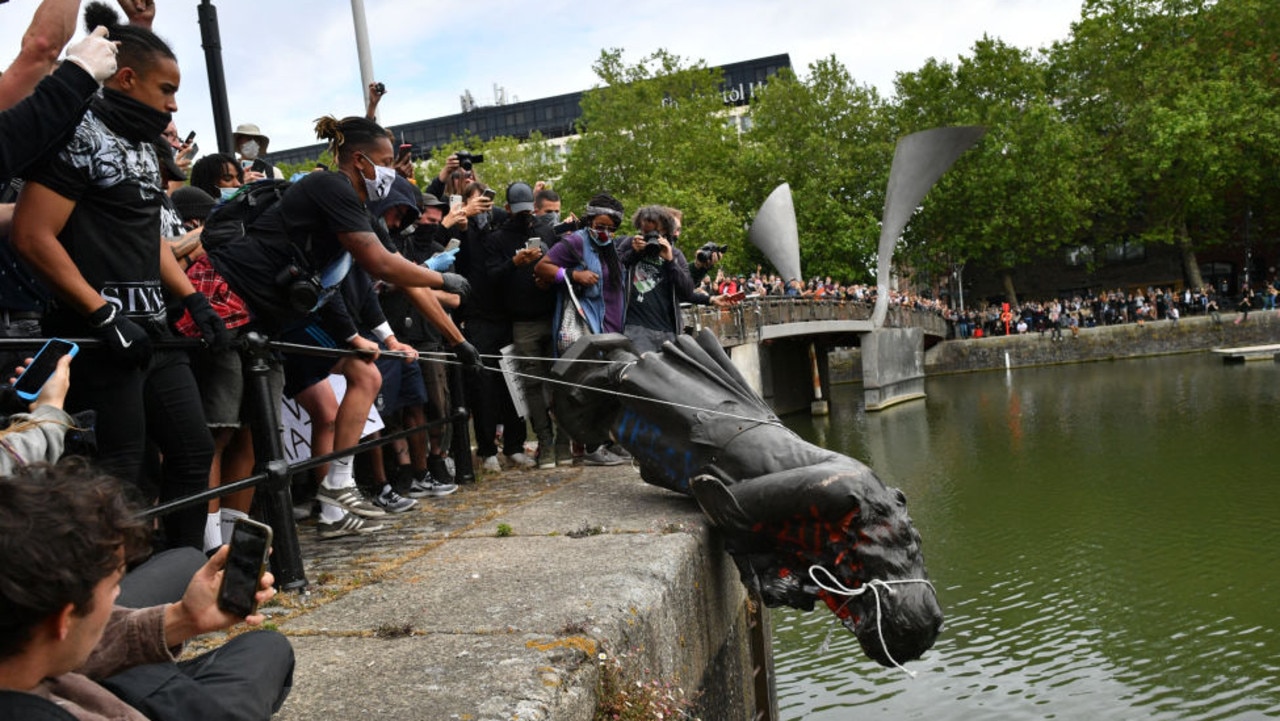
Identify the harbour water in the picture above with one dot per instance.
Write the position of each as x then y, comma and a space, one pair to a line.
1104, 539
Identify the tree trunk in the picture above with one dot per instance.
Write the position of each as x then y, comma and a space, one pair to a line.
1190, 266
1009, 293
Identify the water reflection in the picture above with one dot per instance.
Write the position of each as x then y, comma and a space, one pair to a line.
1105, 540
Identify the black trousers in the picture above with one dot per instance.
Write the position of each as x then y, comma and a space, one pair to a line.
487, 392
246, 679
160, 402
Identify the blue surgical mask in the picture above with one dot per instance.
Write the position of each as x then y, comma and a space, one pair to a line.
226, 193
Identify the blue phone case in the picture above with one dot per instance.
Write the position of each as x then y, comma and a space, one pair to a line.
36, 363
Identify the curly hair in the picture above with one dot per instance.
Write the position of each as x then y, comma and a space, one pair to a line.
62, 530
206, 172
139, 47
659, 216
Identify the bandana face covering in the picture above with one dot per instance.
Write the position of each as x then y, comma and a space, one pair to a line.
130, 119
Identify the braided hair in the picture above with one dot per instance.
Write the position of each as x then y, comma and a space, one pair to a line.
139, 47
349, 135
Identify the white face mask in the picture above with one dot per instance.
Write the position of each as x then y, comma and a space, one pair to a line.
380, 186
226, 193
249, 150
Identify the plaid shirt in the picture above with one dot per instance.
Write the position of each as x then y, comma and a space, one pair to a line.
229, 306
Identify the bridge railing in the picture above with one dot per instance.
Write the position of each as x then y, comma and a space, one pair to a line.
742, 323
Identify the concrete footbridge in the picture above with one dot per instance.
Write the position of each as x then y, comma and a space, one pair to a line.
781, 344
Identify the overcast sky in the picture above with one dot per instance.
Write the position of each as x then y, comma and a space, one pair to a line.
288, 62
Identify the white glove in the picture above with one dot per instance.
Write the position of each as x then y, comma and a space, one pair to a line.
95, 54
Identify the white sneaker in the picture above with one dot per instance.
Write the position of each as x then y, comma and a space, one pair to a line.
521, 461
491, 465
349, 525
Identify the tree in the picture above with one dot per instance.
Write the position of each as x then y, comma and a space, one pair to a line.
506, 161
1182, 97
1016, 197
657, 133
827, 136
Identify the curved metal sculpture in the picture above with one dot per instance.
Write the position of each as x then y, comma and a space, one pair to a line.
775, 233
918, 161
802, 523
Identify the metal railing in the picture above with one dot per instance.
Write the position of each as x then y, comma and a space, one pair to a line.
742, 323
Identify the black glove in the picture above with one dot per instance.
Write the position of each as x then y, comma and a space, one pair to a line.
126, 340
212, 329
457, 284
469, 356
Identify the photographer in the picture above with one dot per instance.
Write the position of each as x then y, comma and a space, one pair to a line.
658, 280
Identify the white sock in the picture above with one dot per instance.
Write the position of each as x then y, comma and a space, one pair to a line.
339, 475
229, 516
329, 513
212, 532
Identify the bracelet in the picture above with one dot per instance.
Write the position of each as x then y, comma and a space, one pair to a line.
560, 275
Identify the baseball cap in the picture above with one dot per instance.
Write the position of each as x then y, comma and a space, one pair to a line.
520, 198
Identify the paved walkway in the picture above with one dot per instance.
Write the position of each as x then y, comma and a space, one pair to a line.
445, 616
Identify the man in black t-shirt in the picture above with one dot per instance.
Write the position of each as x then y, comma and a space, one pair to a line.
658, 280
88, 223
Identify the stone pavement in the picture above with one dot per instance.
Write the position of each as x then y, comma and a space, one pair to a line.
497, 602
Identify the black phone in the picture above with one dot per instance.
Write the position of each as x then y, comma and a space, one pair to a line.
190, 136
489, 193
28, 385
246, 562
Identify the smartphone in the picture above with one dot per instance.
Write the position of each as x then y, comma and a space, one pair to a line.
533, 243
246, 562
190, 136
489, 193
455, 201
406, 149
452, 244
193, 149
246, 164
28, 385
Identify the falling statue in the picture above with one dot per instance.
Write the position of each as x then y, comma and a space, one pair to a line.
802, 524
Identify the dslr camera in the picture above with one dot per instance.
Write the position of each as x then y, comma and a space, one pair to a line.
652, 247
303, 288
466, 159
707, 250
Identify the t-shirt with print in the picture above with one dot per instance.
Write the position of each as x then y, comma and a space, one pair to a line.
303, 226
113, 234
650, 300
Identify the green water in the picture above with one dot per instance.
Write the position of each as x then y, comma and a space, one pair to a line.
1104, 538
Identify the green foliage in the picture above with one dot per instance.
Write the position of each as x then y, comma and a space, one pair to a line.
506, 160
657, 133
307, 166
504, 530
828, 138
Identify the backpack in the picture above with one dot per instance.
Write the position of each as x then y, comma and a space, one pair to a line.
230, 219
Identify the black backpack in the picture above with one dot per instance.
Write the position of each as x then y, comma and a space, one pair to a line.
230, 219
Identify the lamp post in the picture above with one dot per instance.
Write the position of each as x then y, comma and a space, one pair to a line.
211, 41
362, 48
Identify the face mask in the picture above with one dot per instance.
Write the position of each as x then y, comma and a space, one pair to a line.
599, 237
380, 186
550, 218
226, 193
249, 150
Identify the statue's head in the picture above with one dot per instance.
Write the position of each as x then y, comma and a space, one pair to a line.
895, 613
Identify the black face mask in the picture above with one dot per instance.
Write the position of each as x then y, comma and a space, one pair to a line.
130, 119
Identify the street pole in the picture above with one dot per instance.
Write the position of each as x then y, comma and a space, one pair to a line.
362, 48
211, 41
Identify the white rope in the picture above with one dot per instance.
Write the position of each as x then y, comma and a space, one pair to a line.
874, 584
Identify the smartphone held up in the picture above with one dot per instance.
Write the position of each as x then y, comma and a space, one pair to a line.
42, 367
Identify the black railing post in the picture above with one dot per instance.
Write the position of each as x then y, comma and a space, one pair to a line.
273, 498
460, 449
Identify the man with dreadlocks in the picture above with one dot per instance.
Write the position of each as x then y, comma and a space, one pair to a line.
88, 222
311, 236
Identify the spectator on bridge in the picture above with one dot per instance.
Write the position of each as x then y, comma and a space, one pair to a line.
251, 144
63, 639
92, 231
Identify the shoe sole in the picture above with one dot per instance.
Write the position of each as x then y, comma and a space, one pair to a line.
402, 509
363, 513
345, 531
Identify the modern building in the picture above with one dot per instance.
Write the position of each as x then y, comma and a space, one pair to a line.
554, 117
